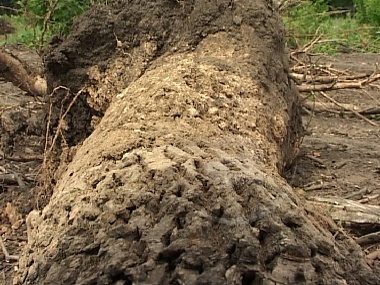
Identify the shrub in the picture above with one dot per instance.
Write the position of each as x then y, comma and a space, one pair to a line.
368, 11
303, 20
338, 34
38, 20
59, 14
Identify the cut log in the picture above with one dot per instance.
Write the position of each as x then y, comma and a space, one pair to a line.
180, 181
372, 238
354, 216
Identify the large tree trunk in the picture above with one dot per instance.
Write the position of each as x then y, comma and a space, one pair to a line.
180, 181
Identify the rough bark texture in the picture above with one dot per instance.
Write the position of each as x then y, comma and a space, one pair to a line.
180, 181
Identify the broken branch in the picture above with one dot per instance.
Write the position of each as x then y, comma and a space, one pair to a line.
7, 256
13, 70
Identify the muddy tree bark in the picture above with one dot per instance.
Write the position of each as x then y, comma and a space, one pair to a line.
180, 181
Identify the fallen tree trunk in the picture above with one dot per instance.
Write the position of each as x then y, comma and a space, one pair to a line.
180, 181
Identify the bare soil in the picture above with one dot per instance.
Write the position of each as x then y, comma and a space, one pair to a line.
340, 156
345, 147
22, 145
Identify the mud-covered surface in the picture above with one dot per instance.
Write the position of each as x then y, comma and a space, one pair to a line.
178, 183
119, 42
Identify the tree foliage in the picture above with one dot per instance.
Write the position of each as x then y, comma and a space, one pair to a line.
368, 11
36, 21
57, 15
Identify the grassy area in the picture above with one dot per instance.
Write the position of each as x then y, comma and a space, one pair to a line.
24, 33
338, 33
304, 22
41, 17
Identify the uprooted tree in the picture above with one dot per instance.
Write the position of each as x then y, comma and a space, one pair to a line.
180, 181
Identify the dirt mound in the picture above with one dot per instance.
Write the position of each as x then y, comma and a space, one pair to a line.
119, 42
179, 182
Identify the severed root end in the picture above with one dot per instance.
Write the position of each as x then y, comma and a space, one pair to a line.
14, 70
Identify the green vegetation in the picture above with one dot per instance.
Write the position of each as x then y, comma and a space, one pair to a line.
59, 13
368, 11
335, 31
38, 20
306, 21
25, 33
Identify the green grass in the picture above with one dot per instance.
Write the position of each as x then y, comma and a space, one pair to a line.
303, 23
24, 33
29, 25
338, 34
345, 35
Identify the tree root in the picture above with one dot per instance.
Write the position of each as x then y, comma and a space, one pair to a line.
12, 69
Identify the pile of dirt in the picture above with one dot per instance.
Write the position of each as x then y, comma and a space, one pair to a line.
112, 46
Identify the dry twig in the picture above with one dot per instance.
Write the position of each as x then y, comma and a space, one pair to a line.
47, 19
7, 256
352, 111
12, 179
374, 255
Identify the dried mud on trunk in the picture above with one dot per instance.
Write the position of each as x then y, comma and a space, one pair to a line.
191, 121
